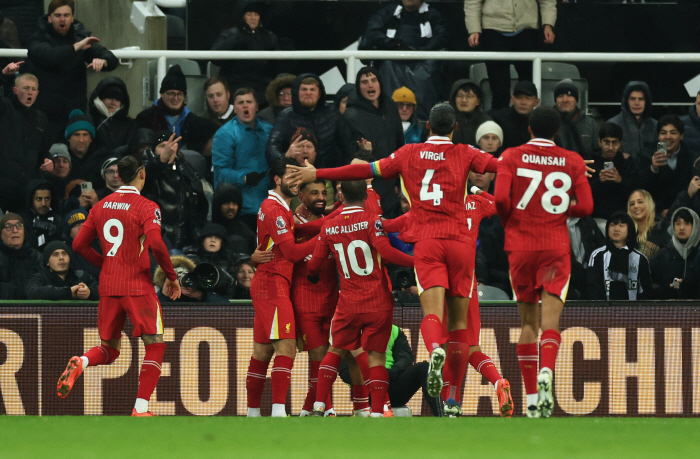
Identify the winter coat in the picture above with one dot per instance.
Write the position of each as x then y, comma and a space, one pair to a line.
336, 142
514, 127
691, 138
579, 132
195, 130
270, 113
638, 139
39, 230
508, 15
116, 130
674, 261
392, 27
467, 122
239, 150
618, 291
610, 196
89, 167
62, 71
17, 267
666, 184
47, 285
25, 145
415, 132
240, 238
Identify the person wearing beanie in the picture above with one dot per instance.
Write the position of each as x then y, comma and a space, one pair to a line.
108, 110
60, 53
489, 137
413, 129
72, 223
18, 260
278, 96
466, 97
226, 206
170, 113
86, 158
57, 280
212, 248
578, 131
109, 174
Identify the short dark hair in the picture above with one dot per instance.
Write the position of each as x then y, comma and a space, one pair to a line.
304, 185
243, 92
278, 168
611, 130
56, 4
544, 122
473, 87
670, 119
442, 118
684, 214
128, 168
311, 80
214, 80
621, 216
354, 190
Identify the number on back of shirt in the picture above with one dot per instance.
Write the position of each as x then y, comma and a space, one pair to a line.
426, 194
554, 190
115, 240
352, 258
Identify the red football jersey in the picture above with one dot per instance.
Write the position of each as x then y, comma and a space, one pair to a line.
373, 203
434, 179
478, 206
121, 221
275, 225
364, 283
542, 184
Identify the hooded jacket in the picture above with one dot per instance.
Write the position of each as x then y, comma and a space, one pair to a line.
61, 70
39, 230
17, 267
336, 142
467, 123
674, 261
691, 137
239, 236
269, 114
638, 138
342, 93
47, 285
116, 130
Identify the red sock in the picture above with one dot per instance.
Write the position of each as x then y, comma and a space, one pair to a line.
255, 381
313, 380
362, 362
549, 348
329, 400
378, 386
482, 363
456, 362
431, 330
150, 370
101, 355
281, 378
327, 374
360, 397
527, 358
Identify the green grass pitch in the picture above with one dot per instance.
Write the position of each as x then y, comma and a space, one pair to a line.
495, 438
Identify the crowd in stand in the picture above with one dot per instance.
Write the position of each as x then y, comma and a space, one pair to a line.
209, 175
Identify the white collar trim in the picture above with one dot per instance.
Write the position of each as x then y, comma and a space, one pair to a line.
352, 210
438, 140
272, 195
541, 142
128, 189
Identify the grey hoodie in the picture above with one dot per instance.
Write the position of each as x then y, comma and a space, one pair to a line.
638, 138
693, 240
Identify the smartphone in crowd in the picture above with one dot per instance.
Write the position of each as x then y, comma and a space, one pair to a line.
662, 146
86, 187
608, 165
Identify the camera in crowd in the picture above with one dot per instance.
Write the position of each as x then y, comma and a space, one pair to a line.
405, 278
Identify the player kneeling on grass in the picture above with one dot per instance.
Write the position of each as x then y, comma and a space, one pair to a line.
365, 310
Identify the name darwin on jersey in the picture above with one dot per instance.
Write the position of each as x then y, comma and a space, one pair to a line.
116, 205
544, 160
346, 228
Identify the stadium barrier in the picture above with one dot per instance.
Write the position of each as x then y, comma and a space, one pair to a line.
639, 359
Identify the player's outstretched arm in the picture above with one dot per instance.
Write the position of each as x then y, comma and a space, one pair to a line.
351, 172
584, 196
81, 244
295, 252
390, 254
397, 224
312, 228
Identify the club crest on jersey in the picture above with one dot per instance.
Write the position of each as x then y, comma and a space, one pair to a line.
378, 225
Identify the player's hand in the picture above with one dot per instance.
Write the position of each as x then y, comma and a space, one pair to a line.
12, 68
85, 43
474, 40
167, 151
313, 279
306, 174
476, 190
548, 34
659, 159
365, 144
589, 170
47, 165
171, 289
261, 256
329, 209
98, 64
302, 211
694, 186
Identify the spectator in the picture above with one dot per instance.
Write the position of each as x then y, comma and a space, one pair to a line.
412, 25
73, 221
614, 176
219, 107
466, 97
184, 266
373, 115
340, 100
412, 128
249, 34
666, 174
226, 204
578, 132
24, 131
18, 261
692, 128
112, 183
245, 270
169, 113
618, 271
650, 236
689, 197
304, 149
57, 280
58, 52
336, 143
212, 247
42, 219
671, 267
508, 26
489, 137
85, 158
279, 96
60, 175
239, 154
492, 260
585, 237
108, 111
513, 120
638, 127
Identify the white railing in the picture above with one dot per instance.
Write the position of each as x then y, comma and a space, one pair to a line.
352, 56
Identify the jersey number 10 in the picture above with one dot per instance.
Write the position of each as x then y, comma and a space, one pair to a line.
552, 190
352, 257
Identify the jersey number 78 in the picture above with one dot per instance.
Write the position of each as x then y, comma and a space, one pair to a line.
560, 192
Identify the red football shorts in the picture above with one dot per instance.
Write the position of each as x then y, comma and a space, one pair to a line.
370, 330
444, 263
274, 314
473, 321
314, 329
532, 271
144, 311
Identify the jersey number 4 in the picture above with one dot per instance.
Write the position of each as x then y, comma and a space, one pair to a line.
352, 257
552, 190
115, 240
426, 194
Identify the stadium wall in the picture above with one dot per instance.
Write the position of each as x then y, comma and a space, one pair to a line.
615, 360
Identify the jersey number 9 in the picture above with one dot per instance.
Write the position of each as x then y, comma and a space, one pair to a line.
115, 240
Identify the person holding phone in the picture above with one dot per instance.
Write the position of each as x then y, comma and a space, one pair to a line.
612, 182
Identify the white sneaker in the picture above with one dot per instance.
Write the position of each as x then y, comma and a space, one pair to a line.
363, 413
279, 410
437, 361
319, 409
304, 413
545, 399
330, 413
533, 412
253, 413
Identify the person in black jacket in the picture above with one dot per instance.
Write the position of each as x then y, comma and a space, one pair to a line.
86, 158
58, 54
492, 266
614, 176
108, 111
465, 98
514, 119
336, 143
585, 237
58, 281
226, 205
373, 115
578, 132
18, 261
183, 266
42, 219
212, 248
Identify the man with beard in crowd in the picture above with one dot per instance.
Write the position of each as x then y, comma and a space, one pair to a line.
42, 220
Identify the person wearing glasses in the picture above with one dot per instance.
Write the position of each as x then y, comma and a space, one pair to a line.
18, 260
466, 97
89, 198
278, 95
